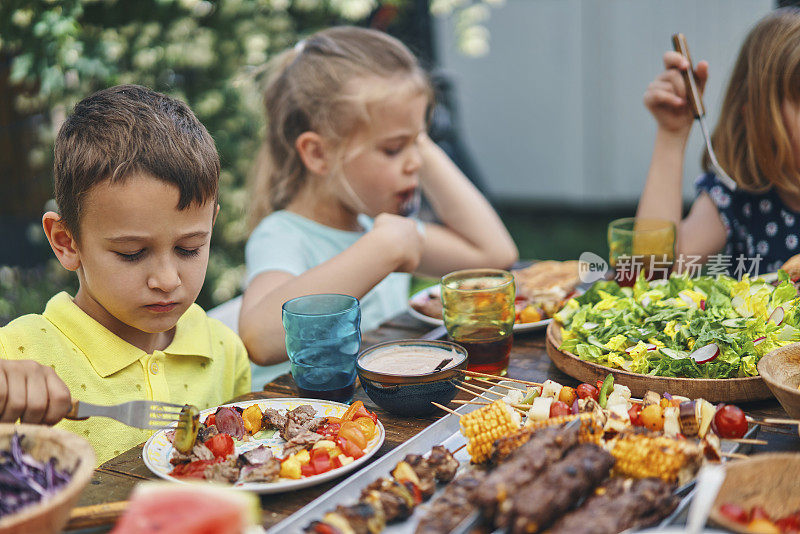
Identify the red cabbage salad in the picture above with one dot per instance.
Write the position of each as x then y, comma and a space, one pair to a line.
24, 481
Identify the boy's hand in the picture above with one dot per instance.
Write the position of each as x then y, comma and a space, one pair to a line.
402, 236
666, 95
31, 392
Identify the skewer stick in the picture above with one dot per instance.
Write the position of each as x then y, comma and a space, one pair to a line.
770, 421
486, 375
482, 389
482, 381
521, 407
445, 408
458, 449
473, 393
735, 455
748, 441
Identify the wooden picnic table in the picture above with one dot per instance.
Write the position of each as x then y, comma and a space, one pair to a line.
114, 480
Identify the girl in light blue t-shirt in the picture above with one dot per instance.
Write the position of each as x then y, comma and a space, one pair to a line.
345, 156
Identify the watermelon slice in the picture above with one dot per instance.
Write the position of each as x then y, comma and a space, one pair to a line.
163, 508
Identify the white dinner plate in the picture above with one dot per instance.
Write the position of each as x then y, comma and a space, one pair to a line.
158, 449
424, 294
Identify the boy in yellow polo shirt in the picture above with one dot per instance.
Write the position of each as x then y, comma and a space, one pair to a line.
136, 182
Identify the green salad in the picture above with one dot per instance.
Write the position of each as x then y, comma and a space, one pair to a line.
705, 327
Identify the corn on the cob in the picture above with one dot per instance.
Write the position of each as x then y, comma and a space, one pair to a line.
590, 432
643, 456
483, 426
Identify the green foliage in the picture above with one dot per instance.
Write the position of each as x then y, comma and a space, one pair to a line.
209, 54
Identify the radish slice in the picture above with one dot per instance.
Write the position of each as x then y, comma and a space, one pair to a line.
776, 316
703, 305
758, 340
706, 354
650, 346
646, 301
589, 325
687, 299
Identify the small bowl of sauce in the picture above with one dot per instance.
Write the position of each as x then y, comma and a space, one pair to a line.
403, 377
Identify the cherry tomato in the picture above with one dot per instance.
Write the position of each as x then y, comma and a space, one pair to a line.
789, 524
330, 430
599, 384
363, 412
221, 445
320, 461
633, 413
730, 422
307, 470
352, 432
559, 408
322, 528
367, 426
211, 420
587, 390
734, 512
348, 415
349, 448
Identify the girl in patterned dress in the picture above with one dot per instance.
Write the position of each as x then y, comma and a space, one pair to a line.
756, 226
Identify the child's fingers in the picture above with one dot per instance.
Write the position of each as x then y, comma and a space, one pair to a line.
17, 394
674, 60
701, 72
655, 97
36, 396
59, 398
3, 390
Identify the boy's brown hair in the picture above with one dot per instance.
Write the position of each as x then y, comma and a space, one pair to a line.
131, 129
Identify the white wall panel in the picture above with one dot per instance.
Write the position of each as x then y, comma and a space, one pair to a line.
555, 113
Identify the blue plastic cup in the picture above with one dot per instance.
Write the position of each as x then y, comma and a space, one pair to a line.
323, 339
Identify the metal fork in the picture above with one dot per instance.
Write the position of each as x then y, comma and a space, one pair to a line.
150, 415
698, 110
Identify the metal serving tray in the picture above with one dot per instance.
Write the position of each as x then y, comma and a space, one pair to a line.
445, 431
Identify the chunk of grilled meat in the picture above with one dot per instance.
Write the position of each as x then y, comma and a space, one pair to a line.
363, 517
396, 500
559, 487
452, 506
272, 418
425, 472
444, 463
545, 447
619, 505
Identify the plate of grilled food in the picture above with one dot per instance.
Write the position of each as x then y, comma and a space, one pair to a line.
506, 465
542, 289
267, 445
698, 336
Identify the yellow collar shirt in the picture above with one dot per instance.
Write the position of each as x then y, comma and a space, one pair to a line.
206, 365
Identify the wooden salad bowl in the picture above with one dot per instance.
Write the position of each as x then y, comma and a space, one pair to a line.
770, 480
780, 369
712, 389
71, 452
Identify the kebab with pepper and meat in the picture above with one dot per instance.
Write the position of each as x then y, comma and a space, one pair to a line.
390, 499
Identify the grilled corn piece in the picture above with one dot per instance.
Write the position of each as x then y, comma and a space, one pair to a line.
640, 455
485, 425
590, 431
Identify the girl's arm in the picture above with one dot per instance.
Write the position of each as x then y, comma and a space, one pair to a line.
354, 272
471, 233
701, 233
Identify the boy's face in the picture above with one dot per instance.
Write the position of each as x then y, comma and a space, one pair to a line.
142, 261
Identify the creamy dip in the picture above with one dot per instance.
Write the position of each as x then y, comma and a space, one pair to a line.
408, 360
